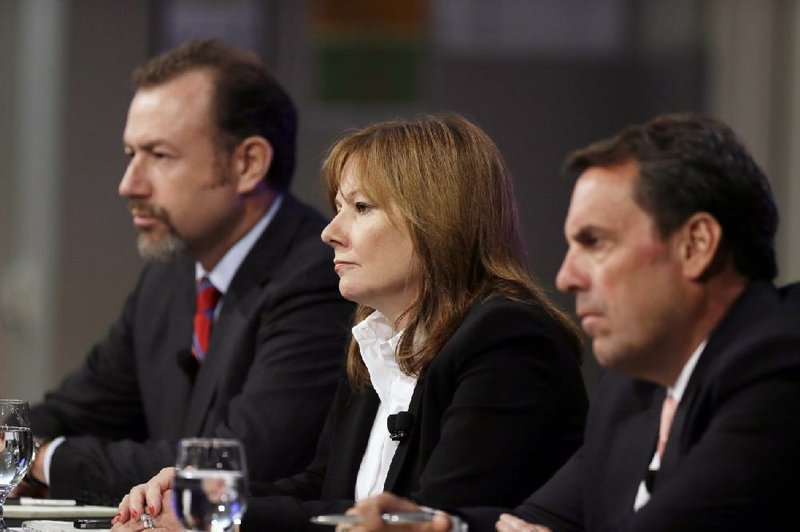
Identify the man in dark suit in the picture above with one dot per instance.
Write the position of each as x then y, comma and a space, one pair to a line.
696, 423
255, 353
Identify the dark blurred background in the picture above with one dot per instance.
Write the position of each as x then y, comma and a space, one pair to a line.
542, 77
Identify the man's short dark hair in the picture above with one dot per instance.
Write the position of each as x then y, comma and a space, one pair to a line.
688, 164
247, 99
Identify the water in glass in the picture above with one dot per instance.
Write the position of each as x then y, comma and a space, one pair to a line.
210, 484
16, 447
208, 499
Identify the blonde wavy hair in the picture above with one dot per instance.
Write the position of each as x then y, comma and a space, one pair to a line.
445, 180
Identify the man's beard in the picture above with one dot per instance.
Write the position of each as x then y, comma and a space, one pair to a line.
154, 245
161, 248
165, 246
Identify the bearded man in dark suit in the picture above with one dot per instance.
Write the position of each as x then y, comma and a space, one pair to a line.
210, 138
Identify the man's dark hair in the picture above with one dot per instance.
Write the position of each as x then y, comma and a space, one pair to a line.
247, 99
688, 164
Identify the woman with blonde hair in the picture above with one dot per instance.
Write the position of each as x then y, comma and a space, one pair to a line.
462, 384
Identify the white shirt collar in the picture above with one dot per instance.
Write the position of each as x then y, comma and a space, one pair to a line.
677, 389
222, 274
377, 341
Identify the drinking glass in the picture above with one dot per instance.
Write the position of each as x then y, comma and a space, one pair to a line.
16, 447
210, 484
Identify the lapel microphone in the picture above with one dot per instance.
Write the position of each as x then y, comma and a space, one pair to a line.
188, 363
399, 425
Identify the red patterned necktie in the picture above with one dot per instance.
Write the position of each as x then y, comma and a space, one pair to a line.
207, 299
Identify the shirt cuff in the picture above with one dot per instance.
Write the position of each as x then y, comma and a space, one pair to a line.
48, 457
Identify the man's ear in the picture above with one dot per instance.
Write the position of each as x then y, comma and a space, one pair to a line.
251, 161
701, 239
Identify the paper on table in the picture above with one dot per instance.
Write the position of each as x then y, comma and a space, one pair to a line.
23, 511
49, 526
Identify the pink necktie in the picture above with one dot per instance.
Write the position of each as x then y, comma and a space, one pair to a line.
667, 415
207, 299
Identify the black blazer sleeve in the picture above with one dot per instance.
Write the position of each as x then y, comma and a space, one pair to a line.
557, 504
102, 396
98, 404
511, 409
327, 485
790, 294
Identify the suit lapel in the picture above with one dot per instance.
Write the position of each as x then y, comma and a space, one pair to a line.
350, 445
691, 413
401, 455
162, 347
234, 321
688, 412
675, 443
630, 455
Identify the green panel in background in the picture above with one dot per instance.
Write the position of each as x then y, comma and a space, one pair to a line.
368, 70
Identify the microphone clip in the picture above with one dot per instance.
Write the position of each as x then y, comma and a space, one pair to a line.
399, 425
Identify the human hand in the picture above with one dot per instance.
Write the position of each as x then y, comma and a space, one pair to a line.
149, 495
510, 523
39, 489
373, 508
165, 521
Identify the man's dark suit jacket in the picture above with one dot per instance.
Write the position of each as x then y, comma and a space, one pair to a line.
732, 461
791, 296
268, 378
496, 412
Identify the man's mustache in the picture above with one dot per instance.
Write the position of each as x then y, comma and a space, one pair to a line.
147, 209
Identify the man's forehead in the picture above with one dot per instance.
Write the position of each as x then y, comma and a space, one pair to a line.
197, 80
177, 106
603, 196
605, 184
188, 92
